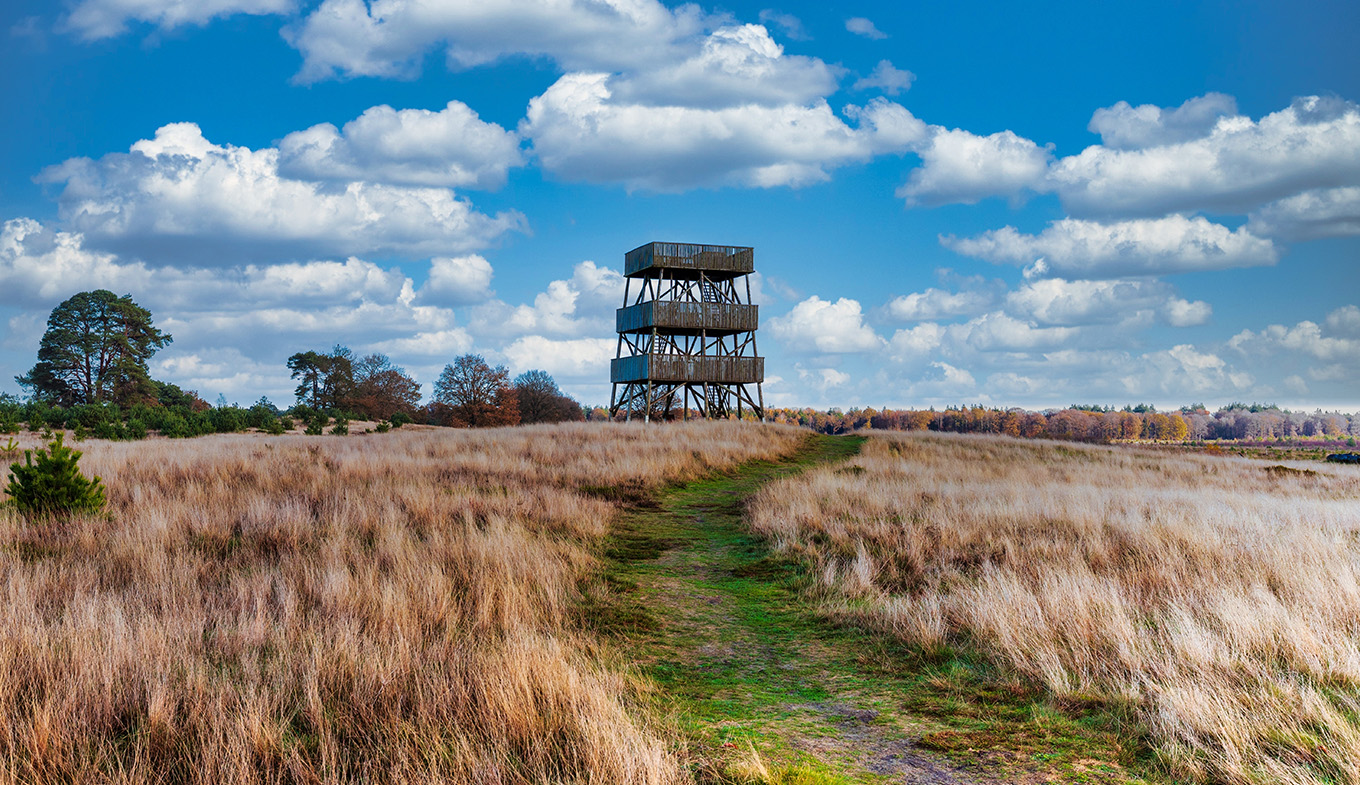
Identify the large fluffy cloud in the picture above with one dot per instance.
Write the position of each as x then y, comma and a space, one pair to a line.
1125, 127
737, 65
179, 197
390, 37
939, 304
451, 147
959, 166
821, 326
1238, 165
1091, 249
580, 305
93, 19
580, 132
1055, 301
1335, 341
1200, 156
1325, 212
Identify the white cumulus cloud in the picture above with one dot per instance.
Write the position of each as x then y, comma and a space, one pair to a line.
580, 132
1060, 302
821, 326
458, 280
960, 166
179, 197
938, 304
390, 37
1091, 249
575, 358
1325, 212
95, 19
451, 147
1125, 127
1238, 165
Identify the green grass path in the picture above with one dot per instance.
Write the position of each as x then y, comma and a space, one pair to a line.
748, 670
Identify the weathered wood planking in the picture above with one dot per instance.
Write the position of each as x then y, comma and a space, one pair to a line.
687, 318
689, 260
680, 368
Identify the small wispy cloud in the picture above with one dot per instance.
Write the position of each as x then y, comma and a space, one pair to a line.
887, 78
861, 26
788, 24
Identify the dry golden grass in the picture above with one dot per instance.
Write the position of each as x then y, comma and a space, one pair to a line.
385, 608
1217, 599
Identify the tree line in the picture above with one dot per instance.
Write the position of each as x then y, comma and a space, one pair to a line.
1237, 421
92, 375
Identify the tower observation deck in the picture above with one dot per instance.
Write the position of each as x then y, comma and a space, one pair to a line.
687, 333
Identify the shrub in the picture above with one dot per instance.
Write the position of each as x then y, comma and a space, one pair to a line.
341, 426
286, 423
318, 424
53, 485
274, 426
383, 427
134, 429
175, 427
400, 418
107, 429
227, 419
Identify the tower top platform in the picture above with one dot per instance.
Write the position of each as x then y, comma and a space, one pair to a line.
688, 261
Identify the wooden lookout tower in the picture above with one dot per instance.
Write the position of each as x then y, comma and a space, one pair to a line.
687, 333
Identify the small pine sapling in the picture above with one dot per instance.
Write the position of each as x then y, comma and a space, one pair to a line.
318, 424
52, 484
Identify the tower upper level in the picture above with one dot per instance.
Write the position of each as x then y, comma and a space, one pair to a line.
688, 261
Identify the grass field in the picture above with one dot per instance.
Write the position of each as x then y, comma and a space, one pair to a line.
387, 608
600, 604
1213, 602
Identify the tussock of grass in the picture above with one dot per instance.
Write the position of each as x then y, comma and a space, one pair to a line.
1216, 603
270, 609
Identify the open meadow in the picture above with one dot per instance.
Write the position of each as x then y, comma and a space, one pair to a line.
596, 603
1214, 602
385, 608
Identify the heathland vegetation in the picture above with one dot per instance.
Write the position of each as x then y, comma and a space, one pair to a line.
392, 608
1212, 602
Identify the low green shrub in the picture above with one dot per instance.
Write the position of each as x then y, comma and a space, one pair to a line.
318, 424
52, 484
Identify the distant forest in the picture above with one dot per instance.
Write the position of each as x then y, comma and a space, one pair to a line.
1237, 421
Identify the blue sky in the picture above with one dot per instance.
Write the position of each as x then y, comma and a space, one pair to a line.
962, 202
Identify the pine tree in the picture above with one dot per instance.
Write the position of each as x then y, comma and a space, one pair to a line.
53, 484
